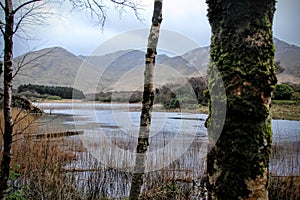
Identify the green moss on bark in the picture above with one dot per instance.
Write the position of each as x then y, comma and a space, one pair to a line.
242, 50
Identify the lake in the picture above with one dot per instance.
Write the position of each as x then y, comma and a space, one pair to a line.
111, 131
126, 117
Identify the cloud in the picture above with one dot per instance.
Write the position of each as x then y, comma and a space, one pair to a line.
79, 34
76, 32
286, 24
188, 18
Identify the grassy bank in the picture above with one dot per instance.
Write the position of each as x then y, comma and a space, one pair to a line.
288, 110
281, 109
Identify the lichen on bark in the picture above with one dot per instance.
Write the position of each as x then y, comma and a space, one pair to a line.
147, 104
242, 50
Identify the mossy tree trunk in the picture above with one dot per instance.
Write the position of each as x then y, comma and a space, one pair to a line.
148, 96
242, 50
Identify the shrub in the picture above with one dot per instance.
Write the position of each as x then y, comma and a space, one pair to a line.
53, 98
283, 92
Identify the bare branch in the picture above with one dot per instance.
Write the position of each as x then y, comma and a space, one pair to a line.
28, 125
2, 6
1, 129
16, 120
22, 18
26, 75
136, 6
93, 8
32, 15
24, 61
1, 27
97, 9
19, 118
24, 4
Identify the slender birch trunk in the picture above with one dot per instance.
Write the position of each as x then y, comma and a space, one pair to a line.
148, 96
7, 110
242, 50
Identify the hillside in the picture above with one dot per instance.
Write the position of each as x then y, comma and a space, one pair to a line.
123, 70
51, 66
54, 67
289, 57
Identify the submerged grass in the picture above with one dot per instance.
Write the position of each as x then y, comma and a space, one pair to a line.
285, 171
62, 168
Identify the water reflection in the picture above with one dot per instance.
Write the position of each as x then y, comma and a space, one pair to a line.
114, 128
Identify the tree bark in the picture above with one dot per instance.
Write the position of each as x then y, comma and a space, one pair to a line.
242, 50
7, 110
147, 104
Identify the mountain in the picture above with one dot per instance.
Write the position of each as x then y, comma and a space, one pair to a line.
123, 70
289, 57
51, 66
54, 67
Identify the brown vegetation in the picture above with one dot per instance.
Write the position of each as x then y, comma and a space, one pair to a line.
61, 168
288, 110
284, 166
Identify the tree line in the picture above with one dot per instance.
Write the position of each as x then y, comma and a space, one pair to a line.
188, 95
60, 91
171, 95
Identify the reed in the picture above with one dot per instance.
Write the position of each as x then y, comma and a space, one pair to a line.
62, 168
284, 175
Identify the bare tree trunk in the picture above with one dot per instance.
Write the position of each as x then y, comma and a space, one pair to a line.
242, 50
8, 122
1, 68
148, 96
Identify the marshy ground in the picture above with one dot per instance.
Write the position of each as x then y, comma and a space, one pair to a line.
62, 168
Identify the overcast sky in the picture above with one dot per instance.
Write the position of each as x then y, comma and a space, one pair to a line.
78, 34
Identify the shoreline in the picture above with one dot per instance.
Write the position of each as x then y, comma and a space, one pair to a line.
280, 110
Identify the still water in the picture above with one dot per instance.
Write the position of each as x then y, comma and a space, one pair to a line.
125, 117
115, 127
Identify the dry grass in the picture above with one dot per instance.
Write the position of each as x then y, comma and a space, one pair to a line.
289, 110
61, 168
285, 171
37, 164
284, 187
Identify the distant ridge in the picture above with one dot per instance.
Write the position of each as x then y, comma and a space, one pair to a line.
289, 57
57, 66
